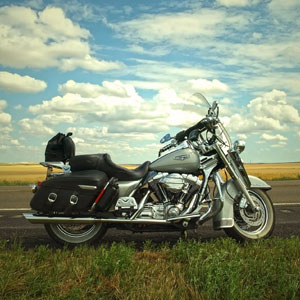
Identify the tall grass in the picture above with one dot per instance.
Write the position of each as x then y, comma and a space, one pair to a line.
221, 269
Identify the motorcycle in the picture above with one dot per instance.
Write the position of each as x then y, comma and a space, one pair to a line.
173, 193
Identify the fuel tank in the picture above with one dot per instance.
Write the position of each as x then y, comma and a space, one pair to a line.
179, 161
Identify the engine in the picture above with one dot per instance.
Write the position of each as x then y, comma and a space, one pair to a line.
171, 194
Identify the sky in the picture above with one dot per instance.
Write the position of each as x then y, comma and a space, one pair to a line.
118, 74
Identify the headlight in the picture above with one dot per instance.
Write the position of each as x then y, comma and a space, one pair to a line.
239, 146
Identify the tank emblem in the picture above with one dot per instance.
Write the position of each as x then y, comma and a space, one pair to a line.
182, 157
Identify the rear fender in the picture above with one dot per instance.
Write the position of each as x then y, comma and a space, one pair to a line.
225, 218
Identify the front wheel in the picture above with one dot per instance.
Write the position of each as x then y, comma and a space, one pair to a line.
75, 234
249, 225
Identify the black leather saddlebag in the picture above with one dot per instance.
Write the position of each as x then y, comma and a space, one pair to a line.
74, 193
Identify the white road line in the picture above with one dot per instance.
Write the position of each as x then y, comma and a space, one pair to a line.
13, 209
286, 204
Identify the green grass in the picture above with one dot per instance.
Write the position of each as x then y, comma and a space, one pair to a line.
221, 269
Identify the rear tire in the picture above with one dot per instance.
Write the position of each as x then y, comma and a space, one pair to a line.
76, 234
249, 225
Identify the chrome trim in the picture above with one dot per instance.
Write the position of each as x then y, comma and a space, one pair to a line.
258, 183
87, 187
141, 206
34, 219
52, 197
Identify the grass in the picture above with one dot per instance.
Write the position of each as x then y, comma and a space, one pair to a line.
221, 269
24, 174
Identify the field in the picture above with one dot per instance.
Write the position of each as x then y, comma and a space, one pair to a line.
23, 174
221, 269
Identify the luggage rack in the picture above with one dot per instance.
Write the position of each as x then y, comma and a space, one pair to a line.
66, 168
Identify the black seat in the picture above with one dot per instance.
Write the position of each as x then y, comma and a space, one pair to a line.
103, 162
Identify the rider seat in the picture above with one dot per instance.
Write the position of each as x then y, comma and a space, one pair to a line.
103, 162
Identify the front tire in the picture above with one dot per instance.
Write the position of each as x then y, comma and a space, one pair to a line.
76, 234
249, 225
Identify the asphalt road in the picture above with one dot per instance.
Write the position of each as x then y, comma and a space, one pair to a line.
14, 201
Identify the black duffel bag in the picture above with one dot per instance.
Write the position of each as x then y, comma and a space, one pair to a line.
60, 148
74, 193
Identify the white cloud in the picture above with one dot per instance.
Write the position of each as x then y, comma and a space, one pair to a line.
153, 51
119, 145
274, 105
288, 10
89, 63
207, 86
45, 39
185, 28
242, 136
279, 145
18, 107
149, 85
5, 118
3, 104
15, 142
269, 137
234, 2
35, 127
22, 84
248, 124
88, 90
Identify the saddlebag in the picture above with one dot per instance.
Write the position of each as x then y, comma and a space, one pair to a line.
75, 193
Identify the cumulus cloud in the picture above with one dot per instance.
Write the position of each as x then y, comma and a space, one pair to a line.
185, 29
3, 104
46, 38
239, 3
285, 10
35, 127
269, 137
88, 90
269, 112
279, 145
117, 107
275, 106
22, 84
207, 86
5, 118
120, 146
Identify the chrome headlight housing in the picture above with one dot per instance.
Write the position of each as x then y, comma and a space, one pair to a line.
239, 146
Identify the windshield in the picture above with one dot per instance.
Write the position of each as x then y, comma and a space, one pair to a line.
199, 99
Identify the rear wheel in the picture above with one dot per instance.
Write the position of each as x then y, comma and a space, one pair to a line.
249, 224
75, 234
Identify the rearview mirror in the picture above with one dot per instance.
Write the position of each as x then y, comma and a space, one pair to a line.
166, 138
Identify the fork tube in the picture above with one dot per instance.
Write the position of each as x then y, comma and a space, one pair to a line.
235, 177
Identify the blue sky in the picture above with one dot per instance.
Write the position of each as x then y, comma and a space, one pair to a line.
116, 74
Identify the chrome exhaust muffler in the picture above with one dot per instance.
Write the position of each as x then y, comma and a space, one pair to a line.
36, 219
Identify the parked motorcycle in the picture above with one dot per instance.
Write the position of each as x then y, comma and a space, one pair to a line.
183, 188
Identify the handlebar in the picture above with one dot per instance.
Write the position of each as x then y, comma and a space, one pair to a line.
207, 123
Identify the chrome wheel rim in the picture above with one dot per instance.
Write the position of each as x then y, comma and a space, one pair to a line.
247, 221
75, 233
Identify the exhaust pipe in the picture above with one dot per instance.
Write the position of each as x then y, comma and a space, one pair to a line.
35, 219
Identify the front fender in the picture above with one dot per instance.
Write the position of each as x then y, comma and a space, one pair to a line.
225, 218
257, 183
